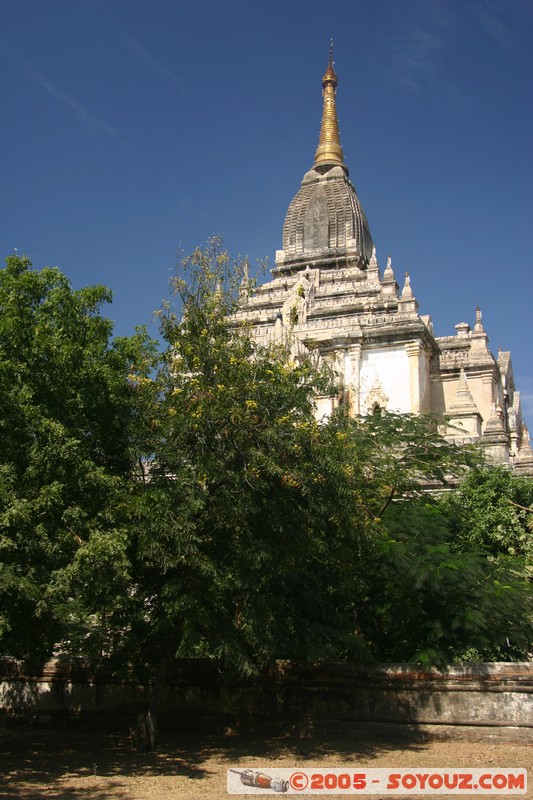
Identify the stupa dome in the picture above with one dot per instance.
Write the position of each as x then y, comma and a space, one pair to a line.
325, 223
325, 219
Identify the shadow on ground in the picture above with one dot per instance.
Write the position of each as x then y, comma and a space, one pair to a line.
37, 764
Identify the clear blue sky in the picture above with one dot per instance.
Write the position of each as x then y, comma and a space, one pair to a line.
131, 128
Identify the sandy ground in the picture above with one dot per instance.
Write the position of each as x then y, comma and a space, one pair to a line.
67, 765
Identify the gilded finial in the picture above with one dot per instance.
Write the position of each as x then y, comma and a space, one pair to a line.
329, 146
330, 75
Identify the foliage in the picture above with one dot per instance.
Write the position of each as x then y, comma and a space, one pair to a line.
401, 456
218, 515
430, 602
66, 425
428, 597
492, 510
262, 533
240, 534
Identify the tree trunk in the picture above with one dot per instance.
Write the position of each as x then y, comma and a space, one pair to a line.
147, 721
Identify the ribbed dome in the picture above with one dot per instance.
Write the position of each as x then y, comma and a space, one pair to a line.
325, 219
325, 223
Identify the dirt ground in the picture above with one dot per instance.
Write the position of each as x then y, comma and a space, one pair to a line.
68, 765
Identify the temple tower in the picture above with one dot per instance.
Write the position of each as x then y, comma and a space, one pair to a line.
329, 296
325, 224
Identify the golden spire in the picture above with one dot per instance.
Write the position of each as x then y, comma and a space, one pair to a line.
329, 146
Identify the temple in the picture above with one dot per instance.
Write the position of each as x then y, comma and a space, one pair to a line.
329, 295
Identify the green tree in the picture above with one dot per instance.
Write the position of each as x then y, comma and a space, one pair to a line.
67, 430
451, 577
260, 533
220, 517
400, 457
239, 542
492, 510
431, 602
431, 596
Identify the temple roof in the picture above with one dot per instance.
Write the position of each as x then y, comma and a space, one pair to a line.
325, 223
329, 149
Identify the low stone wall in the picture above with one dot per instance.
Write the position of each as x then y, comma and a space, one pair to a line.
490, 699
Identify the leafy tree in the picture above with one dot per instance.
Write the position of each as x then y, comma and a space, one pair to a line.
400, 457
238, 547
453, 573
67, 425
492, 510
431, 602
220, 517
257, 532
429, 597
260, 533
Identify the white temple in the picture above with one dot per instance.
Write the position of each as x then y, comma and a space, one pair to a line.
328, 294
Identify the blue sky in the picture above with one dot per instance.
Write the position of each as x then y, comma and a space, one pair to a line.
131, 129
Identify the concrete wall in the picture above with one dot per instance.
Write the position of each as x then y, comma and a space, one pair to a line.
489, 698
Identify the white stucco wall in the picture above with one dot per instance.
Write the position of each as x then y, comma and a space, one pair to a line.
389, 368
425, 388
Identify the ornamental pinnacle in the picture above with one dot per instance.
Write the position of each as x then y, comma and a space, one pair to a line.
329, 147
